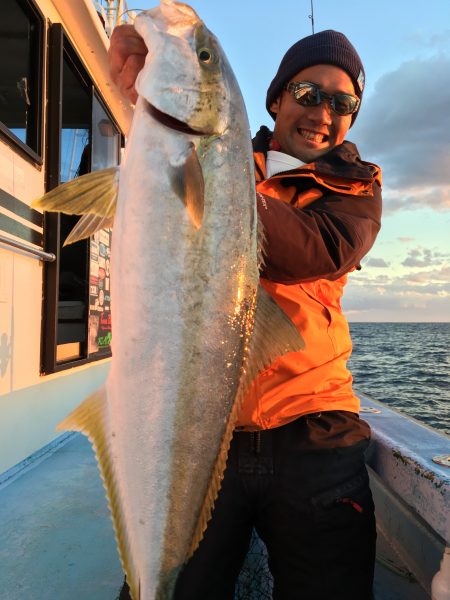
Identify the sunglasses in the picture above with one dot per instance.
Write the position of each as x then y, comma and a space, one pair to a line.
309, 94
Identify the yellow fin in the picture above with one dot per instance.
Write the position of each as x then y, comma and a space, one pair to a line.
87, 226
91, 419
188, 183
274, 334
94, 194
262, 242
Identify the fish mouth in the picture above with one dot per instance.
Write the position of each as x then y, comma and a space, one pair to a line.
171, 122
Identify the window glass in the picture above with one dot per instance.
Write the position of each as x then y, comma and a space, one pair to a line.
84, 138
76, 124
20, 33
105, 138
73, 260
99, 293
105, 153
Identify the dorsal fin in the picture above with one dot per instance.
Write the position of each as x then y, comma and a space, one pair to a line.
87, 226
93, 195
91, 419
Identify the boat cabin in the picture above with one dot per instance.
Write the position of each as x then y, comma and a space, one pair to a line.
60, 117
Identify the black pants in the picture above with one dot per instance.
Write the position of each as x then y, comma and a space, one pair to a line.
312, 508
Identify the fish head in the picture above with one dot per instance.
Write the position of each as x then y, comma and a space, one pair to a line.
186, 79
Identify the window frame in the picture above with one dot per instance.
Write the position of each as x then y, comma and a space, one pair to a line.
60, 48
6, 135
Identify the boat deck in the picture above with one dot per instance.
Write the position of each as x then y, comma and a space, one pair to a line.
56, 537
57, 542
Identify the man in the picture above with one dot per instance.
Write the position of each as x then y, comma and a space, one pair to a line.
296, 465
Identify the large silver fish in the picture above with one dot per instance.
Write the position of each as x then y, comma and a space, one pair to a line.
191, 328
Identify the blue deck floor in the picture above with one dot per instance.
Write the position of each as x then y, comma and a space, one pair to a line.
57, 542
56, 537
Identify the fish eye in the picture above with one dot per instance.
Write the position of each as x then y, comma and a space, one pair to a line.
206, 56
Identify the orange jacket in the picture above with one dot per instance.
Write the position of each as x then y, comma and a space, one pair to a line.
319, 221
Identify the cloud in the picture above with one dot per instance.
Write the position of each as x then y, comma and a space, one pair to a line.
404, 126
423, 296
416, 198
423, 257
376, 262
418, 258
405, 239
435, 280
437, 41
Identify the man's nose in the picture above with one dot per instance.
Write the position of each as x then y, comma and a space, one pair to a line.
321, 113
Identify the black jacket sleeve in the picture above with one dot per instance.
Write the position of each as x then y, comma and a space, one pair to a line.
324, 240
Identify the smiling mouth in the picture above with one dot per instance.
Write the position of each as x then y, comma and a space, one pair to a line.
313, 136
171, 122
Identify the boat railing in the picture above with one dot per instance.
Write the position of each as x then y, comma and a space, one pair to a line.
28, 249
410, 480
113, 13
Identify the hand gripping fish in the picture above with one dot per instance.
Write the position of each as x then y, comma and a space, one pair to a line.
191, 326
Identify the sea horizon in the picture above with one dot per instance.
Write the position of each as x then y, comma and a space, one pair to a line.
405, 365
399, 322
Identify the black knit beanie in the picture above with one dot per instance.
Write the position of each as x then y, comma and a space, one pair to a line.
326, 47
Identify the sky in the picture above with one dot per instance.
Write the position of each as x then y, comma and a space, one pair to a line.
403, 125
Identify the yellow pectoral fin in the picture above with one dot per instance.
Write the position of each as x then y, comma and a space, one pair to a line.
91, 419
187, 182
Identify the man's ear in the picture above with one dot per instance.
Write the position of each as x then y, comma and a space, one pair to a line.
275, 106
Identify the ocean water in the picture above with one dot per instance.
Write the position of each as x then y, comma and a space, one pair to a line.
405, 365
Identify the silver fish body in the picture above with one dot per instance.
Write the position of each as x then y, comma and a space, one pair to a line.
182, 302
191, 327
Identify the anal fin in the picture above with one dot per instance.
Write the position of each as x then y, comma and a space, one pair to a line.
273, 335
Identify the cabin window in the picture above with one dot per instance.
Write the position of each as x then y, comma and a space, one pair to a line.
82, 137
106, 139
21, 74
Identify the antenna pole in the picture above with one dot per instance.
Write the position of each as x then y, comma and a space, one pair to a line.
311, 16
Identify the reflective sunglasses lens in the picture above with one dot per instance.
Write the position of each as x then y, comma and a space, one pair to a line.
307, 95
344, 104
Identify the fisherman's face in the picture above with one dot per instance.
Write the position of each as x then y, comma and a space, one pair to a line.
307, 132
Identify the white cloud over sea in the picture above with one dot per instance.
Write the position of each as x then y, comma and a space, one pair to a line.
421, 291
425, 257
405, 128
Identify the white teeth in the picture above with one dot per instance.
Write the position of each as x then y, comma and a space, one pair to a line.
311, 135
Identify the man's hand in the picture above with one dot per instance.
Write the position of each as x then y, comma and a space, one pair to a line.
127, 54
